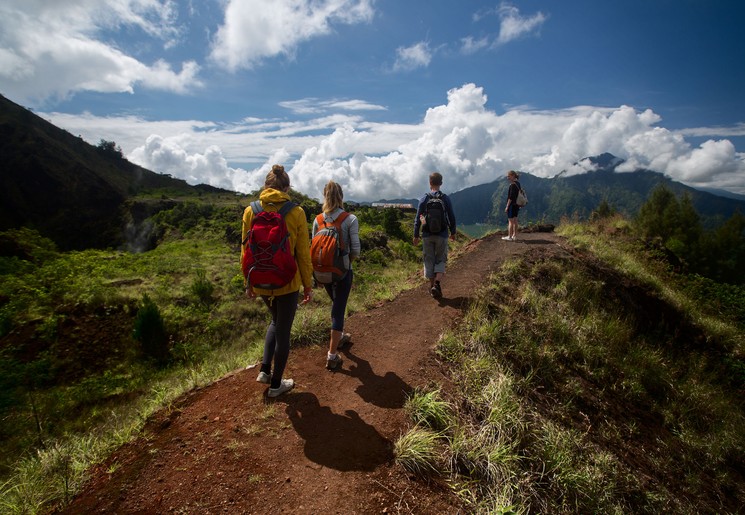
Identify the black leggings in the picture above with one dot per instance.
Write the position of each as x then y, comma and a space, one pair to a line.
277, 340
339, 294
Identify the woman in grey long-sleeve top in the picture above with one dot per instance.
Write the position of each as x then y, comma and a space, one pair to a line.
333, 206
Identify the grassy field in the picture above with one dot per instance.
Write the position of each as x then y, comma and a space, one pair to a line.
94, 342
604, 386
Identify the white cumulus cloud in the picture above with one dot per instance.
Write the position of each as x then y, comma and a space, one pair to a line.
54, 49
465, 140
255, 29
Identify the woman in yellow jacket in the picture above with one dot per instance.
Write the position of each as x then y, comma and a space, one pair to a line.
282, 302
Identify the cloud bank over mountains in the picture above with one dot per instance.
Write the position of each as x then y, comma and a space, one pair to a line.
466, 141
137, 56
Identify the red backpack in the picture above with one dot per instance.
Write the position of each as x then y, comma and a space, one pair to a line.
327, 252
267, 261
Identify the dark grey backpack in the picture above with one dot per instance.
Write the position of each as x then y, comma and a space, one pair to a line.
434, 214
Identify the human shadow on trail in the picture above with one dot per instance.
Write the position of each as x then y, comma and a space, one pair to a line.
340, 442
386, 391
455, 302
536, 242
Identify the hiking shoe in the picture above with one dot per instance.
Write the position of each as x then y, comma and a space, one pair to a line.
333, 364
436, 291
263, 377
345, 339
285, 386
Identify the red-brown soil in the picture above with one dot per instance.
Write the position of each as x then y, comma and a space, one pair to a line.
324, 447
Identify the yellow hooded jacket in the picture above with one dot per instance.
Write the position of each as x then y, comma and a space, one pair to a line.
272, 200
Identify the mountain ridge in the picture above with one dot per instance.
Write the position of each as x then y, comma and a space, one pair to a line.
67, 189
77, 194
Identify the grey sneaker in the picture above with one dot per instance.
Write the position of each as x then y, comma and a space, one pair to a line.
263, 377
345, 339
333, 364
285, 386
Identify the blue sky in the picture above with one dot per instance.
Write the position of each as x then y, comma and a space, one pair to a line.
377, 94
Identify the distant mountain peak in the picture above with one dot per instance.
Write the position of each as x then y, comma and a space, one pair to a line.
604, 161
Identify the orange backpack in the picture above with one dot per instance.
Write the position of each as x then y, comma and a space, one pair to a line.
327, 251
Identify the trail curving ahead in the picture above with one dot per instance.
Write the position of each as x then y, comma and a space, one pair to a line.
326, 446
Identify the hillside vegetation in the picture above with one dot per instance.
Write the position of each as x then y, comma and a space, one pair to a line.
92, 342
597, 383
600, 383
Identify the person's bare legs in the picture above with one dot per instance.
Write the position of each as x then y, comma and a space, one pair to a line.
334, 342
512, 228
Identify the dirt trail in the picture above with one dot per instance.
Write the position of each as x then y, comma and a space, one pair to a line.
325, 447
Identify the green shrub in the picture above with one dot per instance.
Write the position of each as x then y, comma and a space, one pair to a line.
150, 331
429, 409
405, 250
375, 257
371, 238
202, 288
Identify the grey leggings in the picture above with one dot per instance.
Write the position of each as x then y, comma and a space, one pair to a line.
277, 340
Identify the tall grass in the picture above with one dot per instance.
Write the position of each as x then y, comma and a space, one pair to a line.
575, 395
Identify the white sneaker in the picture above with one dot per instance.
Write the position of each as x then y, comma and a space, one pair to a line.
263, 377
285, 386
507, 238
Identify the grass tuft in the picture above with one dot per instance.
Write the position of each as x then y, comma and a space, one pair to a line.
429, 409
418, 451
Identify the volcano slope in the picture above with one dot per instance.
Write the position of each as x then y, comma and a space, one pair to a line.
324, 447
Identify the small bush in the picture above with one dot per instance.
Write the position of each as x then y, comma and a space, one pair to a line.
150, 331
405, 250
202, 288
375, 257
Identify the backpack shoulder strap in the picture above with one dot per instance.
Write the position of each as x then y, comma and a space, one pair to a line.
342, 216
286, 208
256, 207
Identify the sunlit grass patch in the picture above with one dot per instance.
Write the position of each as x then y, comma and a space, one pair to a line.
311, 326
418, 451
548, 345
429, 409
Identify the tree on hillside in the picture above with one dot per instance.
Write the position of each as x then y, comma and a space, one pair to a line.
719, 255
675, 222
604, 210
110, 148
727, 244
